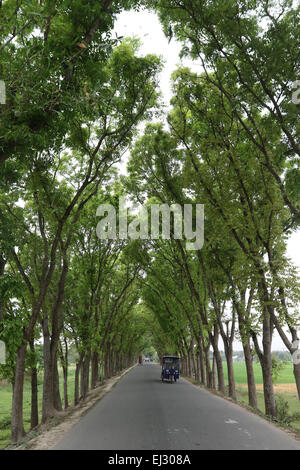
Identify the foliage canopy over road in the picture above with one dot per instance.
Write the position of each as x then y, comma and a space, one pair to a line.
76, 97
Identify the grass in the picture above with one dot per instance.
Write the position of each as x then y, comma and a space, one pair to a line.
286, 376
292, 399
6, 399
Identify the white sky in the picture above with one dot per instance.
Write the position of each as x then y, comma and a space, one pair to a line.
146, 26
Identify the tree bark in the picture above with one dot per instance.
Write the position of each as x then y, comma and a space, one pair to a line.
48, 408
213, 373
34, 417
84, 377
252, 394
17, 428
76, 382
230, 369
214, 340
265, 359
56, 392
63, 355
241, 311
209, 377
201, 361
269, 396
296, 371
65, 375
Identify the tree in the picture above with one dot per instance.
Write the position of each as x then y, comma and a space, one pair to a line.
245, 45
55, 207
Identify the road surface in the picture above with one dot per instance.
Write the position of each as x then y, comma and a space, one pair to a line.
141, 412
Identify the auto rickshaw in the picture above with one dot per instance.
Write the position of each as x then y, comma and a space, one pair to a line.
170, 368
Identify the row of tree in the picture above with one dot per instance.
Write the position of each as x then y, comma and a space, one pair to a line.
75, 98
230, 143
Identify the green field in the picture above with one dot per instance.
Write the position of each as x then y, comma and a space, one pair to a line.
285, 376
6, 398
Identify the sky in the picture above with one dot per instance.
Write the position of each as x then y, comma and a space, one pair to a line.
146, 26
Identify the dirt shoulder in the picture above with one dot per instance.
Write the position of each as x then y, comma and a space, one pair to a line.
46, 436
278, 388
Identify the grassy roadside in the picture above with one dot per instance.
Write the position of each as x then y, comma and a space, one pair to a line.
290, 398
6, 399
285, 389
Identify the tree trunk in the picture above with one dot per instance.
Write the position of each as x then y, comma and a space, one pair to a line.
197, 372
192, 354
189, 364
270, 404
201, 361
105, 365
252, 395
63, 355
265, 359
242, 324
17, 428
101, 369
186, 370
209, 381
48, 409
56, 392
213, 373
65, 375
269, 396
34, 418
214, 340
296, 370
76, 383
182, 365
230, 369
84, 379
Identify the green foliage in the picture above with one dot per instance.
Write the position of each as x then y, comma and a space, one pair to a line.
277, 366
283, 414
10, 286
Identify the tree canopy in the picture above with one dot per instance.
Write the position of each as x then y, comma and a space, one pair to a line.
79, 100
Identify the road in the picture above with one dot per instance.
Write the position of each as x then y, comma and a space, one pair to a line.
141, 412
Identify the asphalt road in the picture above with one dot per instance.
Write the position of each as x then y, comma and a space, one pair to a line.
141, 412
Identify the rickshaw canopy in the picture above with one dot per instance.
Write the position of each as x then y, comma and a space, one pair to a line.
170, 367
